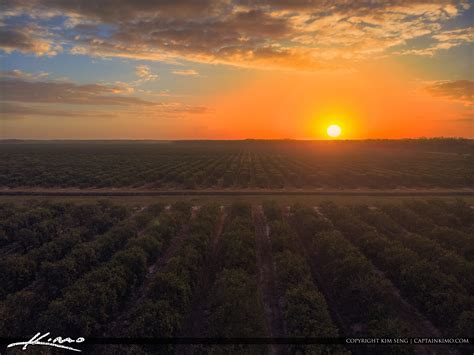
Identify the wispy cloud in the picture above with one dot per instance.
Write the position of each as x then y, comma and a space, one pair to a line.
19, 74
144, 73
444, 40
186, 72
18, 111
457, 90
24, 95
20, 90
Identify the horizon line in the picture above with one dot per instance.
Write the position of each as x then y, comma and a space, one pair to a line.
3, 140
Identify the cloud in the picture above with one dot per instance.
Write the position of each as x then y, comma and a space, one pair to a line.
24, 95
195, 109
344, 6
121, 10
26, 40
445, 40
178, 108
144, 73
121, 87
457, 35
19, 90
15, 111
456, 90
204, 40
19, 74
186, 72
302, 34
10, 111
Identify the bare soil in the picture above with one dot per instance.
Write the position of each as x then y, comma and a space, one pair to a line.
266, 280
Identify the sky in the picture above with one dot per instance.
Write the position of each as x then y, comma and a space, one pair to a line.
236, 69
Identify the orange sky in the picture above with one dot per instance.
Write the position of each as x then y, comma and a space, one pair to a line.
231, 69
375, 102
372, 102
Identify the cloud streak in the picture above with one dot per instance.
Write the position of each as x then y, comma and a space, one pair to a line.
19, 74
186, 72
457, 90
19, 90
19, 111
24, 95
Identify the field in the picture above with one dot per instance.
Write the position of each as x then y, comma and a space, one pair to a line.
238, 165
399, 269
238, 241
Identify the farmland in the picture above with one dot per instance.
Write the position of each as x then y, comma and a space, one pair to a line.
268, 269
244, 240
238, 165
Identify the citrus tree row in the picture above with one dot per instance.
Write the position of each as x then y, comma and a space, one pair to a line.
18, 311
438, 295
111, 284
460, 239
305, 311
172, 288
48, 232
448, 262
33, 224
363, 298
234, 294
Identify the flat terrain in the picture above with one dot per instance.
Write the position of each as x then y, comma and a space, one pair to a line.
239, 239
313, 268
239, 165
139, 200
233, 192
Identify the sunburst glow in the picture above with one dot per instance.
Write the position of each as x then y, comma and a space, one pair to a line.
334, 131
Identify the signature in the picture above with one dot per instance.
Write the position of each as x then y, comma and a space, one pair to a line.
57, 342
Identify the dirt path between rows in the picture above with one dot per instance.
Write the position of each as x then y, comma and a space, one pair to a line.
195, 324
266, 280
13, 248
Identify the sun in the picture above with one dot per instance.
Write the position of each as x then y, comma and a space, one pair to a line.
334, 131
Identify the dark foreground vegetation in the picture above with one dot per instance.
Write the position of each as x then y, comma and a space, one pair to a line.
424, 163
104, 270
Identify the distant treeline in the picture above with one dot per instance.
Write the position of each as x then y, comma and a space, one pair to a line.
384, 164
